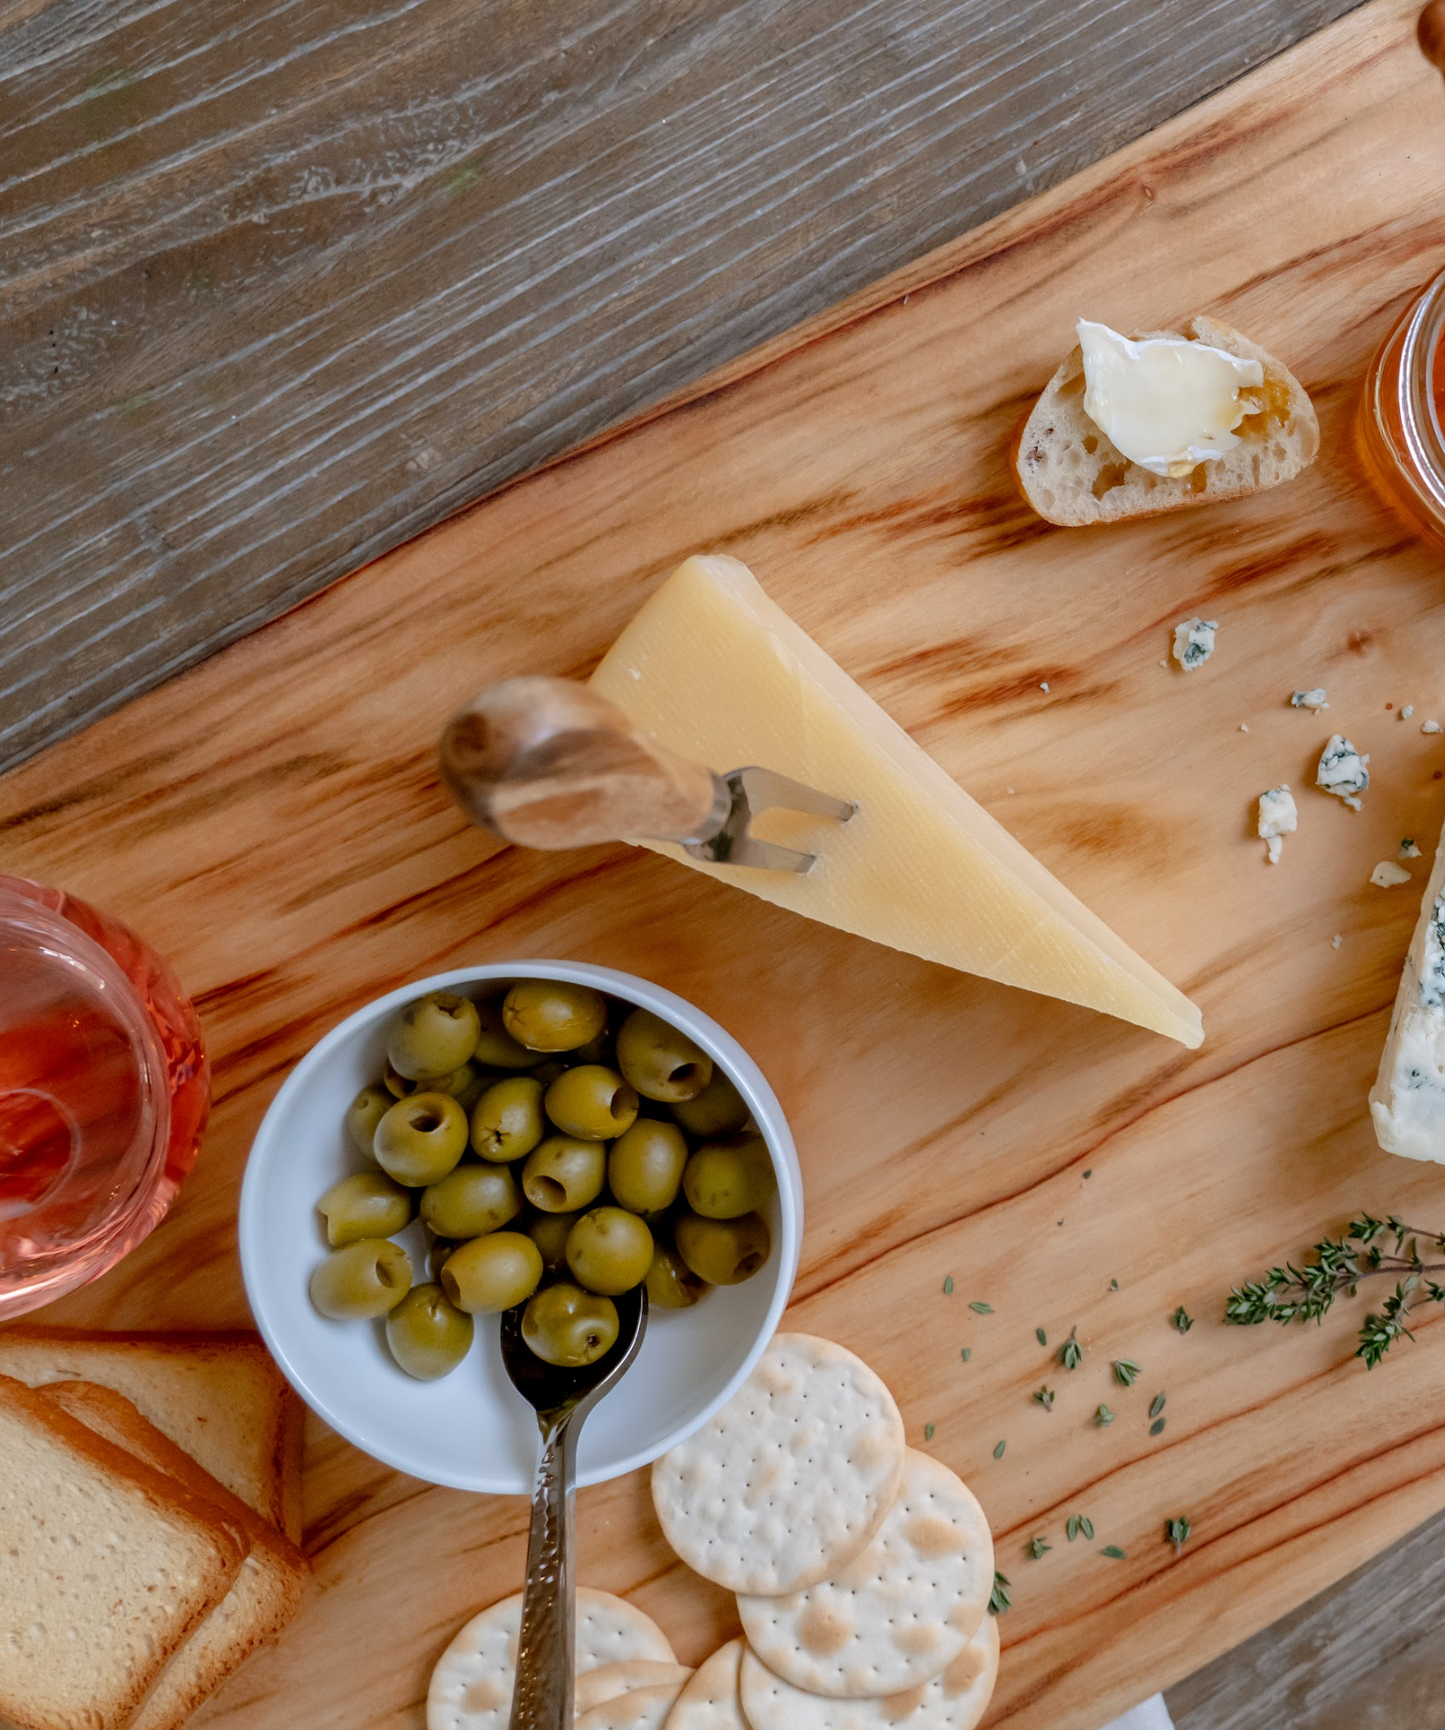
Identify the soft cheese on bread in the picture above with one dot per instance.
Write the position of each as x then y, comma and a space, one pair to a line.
1130, 427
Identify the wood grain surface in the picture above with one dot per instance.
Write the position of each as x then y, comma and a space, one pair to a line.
273, 820
283, 284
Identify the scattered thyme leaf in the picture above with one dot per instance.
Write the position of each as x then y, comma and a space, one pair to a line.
1038, 1549
998, 1598
1113, 1551
1045, 1397
1071, 1353
928, 1432
981, 1309
1183, 1320
1103, 1417
1041, 1336
1176, 1532
1126, 1372
1156, 1405
948, 1285
998, 1451
966, 1352
1157, 1427
1113, 1285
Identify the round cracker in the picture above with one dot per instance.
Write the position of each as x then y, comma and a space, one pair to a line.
621, 1678
471, 1686
955, 1700
642, 1709
903, 1608
791, 1478
709, 1699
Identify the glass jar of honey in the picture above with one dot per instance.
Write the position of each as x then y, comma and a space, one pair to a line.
1400, 421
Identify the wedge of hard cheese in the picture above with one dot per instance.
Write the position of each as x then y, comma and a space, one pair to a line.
1407, 1101
717, 671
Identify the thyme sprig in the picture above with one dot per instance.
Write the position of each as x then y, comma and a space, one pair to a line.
1370, 1248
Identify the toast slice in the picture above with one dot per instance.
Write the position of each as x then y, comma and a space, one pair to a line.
109, 1566
1073, 475
219, 1398
264, 1595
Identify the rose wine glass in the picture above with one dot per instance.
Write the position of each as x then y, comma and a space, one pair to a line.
104, 1091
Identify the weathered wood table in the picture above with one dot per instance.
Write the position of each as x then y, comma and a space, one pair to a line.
360, 268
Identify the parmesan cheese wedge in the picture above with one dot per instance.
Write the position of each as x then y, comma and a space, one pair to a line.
716, 670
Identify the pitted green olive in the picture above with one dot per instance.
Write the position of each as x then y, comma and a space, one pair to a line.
492, 1273
645, 1164
549, 1231
366, 1204
564, 1174
569, 1327
671, 1283
718, 1110
433, 1036
659, 1061
496, 1048
364, 1113
553, 1015
725, 1179
361, 1280
428, 1335
591, 1102
421, 1138
609, 1251
508, 1121
722, 1251
471, 1201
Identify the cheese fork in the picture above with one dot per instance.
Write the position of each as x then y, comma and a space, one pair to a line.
550, 763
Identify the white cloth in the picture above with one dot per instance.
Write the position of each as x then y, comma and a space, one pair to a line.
1151, 1715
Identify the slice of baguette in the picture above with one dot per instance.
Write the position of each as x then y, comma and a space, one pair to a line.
265, 1594
108, 1566
1072, 474
219, 1397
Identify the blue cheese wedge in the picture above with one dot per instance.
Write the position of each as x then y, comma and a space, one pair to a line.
1407, 1101
1194, 642
1278, 815
1343, 771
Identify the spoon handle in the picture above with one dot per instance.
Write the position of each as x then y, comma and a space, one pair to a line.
546, 1645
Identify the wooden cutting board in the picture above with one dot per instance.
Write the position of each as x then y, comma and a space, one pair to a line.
274, 822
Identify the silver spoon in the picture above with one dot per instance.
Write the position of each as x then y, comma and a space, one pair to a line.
547, 1642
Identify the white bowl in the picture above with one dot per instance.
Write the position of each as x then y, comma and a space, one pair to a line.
472, 1430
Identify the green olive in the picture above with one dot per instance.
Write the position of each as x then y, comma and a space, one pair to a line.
671, 1283
549, 1231
569, 1327
548, 1072
495, 1046
508, 1122
598, 1050
644, 1165
490, 1274
433, 1036
361, 1280
420, 1139
364, 1113
591, 1102
718, 1110
660, 1062
428, 1335
397, 1084
609, 1251
367, 1204
722, 1251
728, 1178
564, 1174
438, 1250
551, 1015
471, 1201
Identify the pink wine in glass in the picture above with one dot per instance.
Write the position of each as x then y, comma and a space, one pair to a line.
104, 1090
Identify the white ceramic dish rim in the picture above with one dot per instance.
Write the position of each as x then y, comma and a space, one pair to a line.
713, 1038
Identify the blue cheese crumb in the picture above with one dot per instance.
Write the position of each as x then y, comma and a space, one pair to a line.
1407, 711
1429, 726
1314, 699
1342, 771
1194, 642
1388, 875
1408, 849
1278, 815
